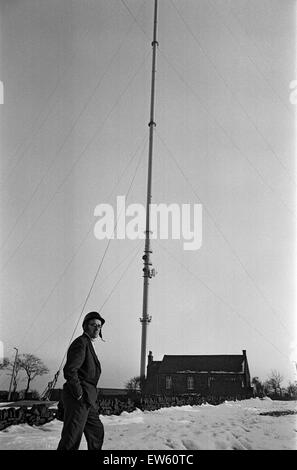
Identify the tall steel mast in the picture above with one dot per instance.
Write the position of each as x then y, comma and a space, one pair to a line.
148, 272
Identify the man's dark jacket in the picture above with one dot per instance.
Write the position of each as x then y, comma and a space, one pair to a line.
82, 370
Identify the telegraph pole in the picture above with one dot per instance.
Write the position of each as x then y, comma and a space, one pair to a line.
12, 374
148, 272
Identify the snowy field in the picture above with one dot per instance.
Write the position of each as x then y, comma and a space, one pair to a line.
229, 426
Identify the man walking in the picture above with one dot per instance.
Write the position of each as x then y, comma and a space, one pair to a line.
82, 371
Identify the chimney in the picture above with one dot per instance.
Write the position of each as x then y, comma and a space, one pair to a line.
150, 357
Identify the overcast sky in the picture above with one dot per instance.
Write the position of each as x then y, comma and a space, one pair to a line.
74, 134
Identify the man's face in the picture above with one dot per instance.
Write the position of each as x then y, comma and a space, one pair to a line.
93, 328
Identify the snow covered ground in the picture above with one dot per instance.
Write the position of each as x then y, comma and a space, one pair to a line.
231, 425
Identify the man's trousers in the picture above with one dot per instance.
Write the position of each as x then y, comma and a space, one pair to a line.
80, 417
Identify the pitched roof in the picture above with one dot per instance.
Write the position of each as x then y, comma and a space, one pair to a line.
219, 363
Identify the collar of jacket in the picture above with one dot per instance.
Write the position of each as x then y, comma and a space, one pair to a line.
92, 349
91, 339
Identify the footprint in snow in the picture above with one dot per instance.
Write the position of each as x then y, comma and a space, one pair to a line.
190, 445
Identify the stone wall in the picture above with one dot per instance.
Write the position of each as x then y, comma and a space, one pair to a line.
35, 415
40, 414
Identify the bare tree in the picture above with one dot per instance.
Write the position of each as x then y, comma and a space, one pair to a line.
275, 381
292, 389
258, 385
33, 367
4, 363
267, 388
135, 384
13, 367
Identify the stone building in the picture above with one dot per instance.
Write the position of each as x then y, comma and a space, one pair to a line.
219, 375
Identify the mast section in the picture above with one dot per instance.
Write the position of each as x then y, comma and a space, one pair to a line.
148, 272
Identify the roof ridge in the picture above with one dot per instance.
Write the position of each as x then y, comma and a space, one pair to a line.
203, 355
